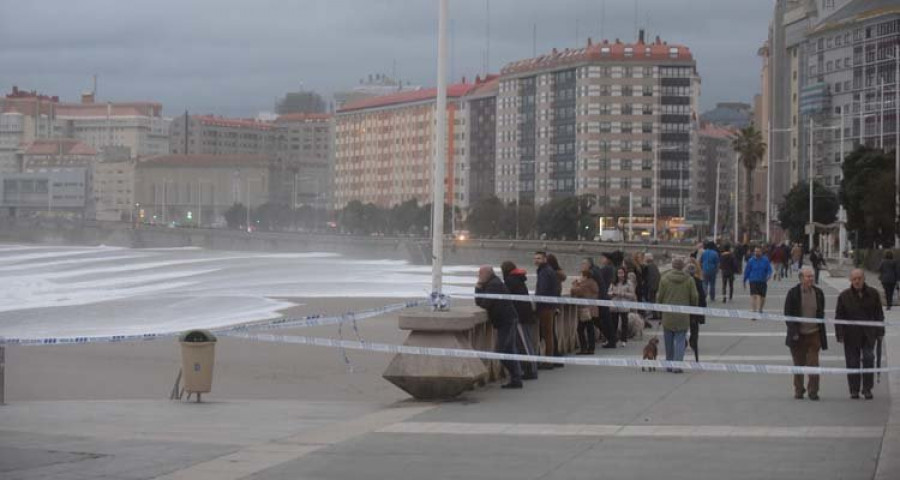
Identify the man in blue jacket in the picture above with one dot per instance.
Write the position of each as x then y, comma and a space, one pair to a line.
758, 272
547, 286
709, 261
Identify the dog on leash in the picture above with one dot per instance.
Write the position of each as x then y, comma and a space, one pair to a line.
635, 325
651, 350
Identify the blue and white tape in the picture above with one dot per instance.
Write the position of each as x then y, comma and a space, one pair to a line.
658, 307
278, 323
586, 361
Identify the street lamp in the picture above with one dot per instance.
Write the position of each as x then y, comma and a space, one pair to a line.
440, 154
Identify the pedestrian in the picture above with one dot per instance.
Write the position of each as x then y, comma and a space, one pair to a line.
597, 275
785, 259
586, 287
621, 290
710, 263
651, 279
817, 260
697, 320
607, 274
547, 286
796, 259
516, 280
504, 319
729, 266
887, 273
560, 277
758, 271
777, 259
859, 302
806, 339
676, 288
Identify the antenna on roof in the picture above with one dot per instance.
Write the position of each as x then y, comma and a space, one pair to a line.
636, 16
487, 37
534, 41
94, 90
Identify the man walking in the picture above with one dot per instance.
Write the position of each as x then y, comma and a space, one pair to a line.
729, 265
758, 271
676, 288
859, 302
607, 272
709, 262
806, 339
504, 319
547, 286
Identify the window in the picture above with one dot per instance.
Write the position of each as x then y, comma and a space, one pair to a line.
673, 52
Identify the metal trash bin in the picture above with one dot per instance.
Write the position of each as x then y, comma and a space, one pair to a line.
198, 354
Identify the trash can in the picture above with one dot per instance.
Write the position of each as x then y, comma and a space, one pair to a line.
198, 354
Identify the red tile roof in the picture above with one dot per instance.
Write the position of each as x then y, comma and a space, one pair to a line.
59, 146
453, 91
599, 52
213, 120
205, 160
303, 117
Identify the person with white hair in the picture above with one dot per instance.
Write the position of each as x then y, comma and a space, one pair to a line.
806, 339
860, 302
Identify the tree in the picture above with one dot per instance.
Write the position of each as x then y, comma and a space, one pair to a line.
794, 211
236, 216
485, 217
272, 216
403, 218
867, 193
526, 223
567, 218
750, 148
351, 217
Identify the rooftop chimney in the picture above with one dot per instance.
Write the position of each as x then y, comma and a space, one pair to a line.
590, 42
87, 97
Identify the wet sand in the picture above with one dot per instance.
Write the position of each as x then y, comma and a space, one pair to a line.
244, 369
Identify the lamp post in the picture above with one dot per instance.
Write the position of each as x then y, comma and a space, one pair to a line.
440, 153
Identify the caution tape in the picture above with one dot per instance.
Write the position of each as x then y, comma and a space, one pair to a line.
278, 323
659, 307
585, 361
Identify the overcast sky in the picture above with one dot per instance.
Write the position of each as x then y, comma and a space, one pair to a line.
234, 57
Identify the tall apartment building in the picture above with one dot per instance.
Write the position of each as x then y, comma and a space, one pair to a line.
608, 120
478, 167
828, 60
137, 126
718, 161
307, 150
212, 135
24, 118
384, 148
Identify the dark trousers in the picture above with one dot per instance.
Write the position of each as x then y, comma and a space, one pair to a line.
889, 293
860, 349
586, 335
506, 343
805, 353
694, 339
817, 270
728, 286
619, 326
603, 325
526, 346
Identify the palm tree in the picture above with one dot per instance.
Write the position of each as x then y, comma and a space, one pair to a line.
750, 147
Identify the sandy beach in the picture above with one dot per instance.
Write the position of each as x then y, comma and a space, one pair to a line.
243, 370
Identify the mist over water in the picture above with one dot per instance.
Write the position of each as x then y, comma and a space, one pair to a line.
64, 291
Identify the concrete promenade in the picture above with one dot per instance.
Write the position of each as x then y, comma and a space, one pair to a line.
572, 423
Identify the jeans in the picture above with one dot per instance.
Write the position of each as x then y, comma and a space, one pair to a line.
727, 286
709, 284
526, 347
506, 343
674, 344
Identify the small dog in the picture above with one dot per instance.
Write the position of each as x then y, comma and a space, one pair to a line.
651, 350
635, 325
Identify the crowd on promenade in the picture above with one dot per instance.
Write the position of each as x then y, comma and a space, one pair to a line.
532, 329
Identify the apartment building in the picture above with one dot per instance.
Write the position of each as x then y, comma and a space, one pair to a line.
612, 120
307, 151
384, 148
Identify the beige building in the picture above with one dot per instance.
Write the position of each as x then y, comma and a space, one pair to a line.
307, 151
384, 148
113, 190
212, 135
612, 120
24, 118
198, 189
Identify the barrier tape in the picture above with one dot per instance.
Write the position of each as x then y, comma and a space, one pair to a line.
586, 361
278, 323
659, 307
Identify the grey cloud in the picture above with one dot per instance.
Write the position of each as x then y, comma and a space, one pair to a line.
235, 57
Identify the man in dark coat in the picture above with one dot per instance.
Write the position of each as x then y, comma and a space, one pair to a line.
806, 339
859, 302
516, 281
547, 286
607, 273
504, 319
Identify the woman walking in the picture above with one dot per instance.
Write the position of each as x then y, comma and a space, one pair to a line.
887, 273
623, 291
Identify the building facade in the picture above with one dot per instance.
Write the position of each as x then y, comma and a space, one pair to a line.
718, 160
212, 135
197, 189
137, 126
478, 166
613, 120
24, 118
384, 148
46, 193
308, 154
